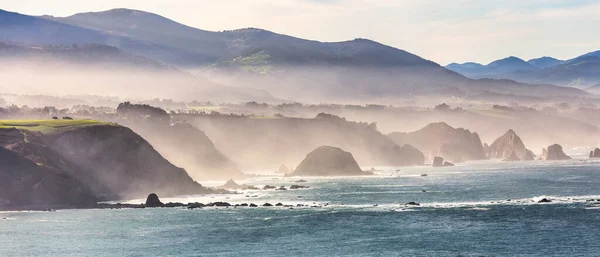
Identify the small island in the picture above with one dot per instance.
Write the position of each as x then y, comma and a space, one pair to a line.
329, 161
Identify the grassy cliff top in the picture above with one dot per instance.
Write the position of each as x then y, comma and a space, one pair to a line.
49, 126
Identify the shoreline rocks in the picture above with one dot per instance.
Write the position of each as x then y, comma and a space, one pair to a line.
595, 153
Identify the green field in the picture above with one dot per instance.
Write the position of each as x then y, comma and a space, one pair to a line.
49, 126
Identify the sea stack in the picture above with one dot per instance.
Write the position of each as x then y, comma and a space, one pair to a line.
153, 201
554, 153
595, 153
508, 145
439, 162
329, 161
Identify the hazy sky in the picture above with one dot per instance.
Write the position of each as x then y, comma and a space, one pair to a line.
442, 31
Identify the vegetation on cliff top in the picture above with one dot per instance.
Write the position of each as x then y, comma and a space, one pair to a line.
49, 126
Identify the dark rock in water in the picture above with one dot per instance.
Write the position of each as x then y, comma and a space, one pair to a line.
329, 161
448, 164
301, 181
423, 175
513, 157
170, 205
554, 153
281, 188
298, 187
267, 205
253, 205
153, 201
283, 169
412, 204
279, 204
595, 153
438, 161
220, 204
544, 200
244, 205
506, 145
267, 187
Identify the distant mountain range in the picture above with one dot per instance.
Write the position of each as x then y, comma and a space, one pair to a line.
288, 67
581, 72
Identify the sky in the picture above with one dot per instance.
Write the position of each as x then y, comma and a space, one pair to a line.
442, 31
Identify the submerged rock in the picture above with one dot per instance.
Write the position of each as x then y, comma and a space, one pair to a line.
153, 201
329, 161
412, 204
544, 200
554, 153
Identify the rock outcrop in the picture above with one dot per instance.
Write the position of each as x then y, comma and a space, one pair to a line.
80, 165
329, 161
505, 146
153, 201
554, 153
440, 139
513, 157
439, 162
595, 153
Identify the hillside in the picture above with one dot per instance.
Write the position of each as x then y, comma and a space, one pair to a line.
440, 139
278, 140
76, 163
187, 147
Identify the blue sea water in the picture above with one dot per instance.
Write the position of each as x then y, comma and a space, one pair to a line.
464, 211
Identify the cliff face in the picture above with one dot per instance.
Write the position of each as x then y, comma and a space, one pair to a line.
188, 147
440, 139
329, 161
266, 143
82, 165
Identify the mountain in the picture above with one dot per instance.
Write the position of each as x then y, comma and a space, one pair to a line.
32, 30
580, 72
493, 69
594, 89
285, 66
545, 62
87, 54
189, 46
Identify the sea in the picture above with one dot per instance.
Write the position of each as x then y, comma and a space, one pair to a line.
483, 208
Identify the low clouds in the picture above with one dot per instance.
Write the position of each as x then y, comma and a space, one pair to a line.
441, 30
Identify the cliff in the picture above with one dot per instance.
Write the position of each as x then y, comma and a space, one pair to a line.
440, 139
77, 163
187, 147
